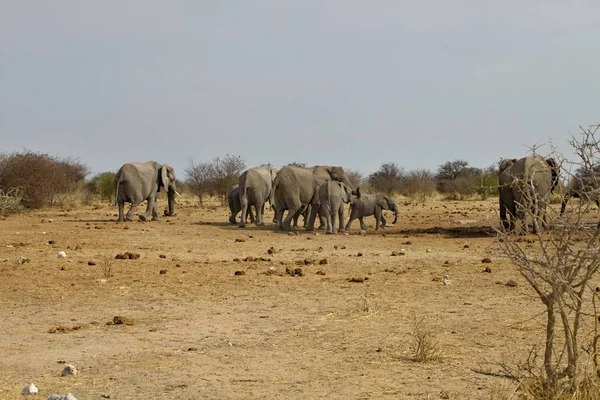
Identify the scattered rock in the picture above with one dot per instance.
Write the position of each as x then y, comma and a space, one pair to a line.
162, 271
91, 262
466, 246
192, 349
64, 329
22, 260
319, 272
488, 270
62, 254
121, 320
127, 256
360, 254
363, 233
511, 283
323, 262
240, 240
444, 395
446, 280
394, 253
51, 242
428, 251
486, 260
29, 389
343, 247
69, 370
68, 396
335, 247
162, 256
271, 250
238, 273
294, 272
407, 243
357, 280
237, 260
437, 279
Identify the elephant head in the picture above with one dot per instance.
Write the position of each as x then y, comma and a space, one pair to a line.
323, 174
167, 180
506, 163
388, 203
346, 192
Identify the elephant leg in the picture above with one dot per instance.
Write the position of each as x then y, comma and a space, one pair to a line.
293, 210
363, 226
503, 216
378, 217
132, 209
333, 218
351, 218
311, 218
305, 214
244, 206
155, 212
260, 212
326, 214
149, 207
251, 215
383, 221
121, 206
341, 217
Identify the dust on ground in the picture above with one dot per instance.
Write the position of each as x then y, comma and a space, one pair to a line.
217, 312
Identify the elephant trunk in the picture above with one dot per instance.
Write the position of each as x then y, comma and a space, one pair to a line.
395, 215
171, 199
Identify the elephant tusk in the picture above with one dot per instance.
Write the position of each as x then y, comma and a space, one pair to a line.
178, 195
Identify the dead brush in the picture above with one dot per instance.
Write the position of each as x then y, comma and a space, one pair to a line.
423, 346
367, 305
106, 266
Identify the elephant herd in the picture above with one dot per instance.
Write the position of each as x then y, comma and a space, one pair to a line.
524, 187
320, 190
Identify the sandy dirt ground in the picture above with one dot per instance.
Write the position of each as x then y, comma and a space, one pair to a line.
215, 316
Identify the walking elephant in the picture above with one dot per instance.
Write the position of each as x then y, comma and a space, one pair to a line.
255, 188
296, 187
136, 182
364, 205
233, 198
332, 196
524, 187
586, 187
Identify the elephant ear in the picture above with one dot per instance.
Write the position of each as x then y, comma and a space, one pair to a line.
506, 163
383, 202
554, 168
321, 175
165, 180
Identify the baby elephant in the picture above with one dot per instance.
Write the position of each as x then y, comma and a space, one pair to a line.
364, 205
233, 198
332, 196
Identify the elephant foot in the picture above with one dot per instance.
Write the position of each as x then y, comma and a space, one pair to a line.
121, 220
232, 220
260, 224
154, 218
128, 219
329, 233
143, 218
241, 225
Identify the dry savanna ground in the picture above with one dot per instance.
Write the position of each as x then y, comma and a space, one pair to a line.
215, 315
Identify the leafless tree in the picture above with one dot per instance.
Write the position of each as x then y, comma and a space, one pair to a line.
225, 174
199, 179
560, 269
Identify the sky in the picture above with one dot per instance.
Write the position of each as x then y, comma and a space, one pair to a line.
338, 82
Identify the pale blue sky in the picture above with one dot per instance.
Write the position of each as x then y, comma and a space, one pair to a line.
352, 83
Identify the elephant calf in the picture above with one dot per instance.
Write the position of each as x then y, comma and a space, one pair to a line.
233, 198
332, 196
364, 205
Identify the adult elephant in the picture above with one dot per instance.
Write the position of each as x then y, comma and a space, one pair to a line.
233, 199
136, 182
586, 187
364, 205
296, 187
255, 188
524, 187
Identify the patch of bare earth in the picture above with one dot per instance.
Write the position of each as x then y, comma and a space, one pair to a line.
212, 311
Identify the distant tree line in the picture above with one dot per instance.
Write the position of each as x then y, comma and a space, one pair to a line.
39, 179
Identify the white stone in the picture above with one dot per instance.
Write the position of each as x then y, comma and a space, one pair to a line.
69, 370
62, 254
29, 389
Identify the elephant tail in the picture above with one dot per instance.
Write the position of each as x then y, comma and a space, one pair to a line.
118, 180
